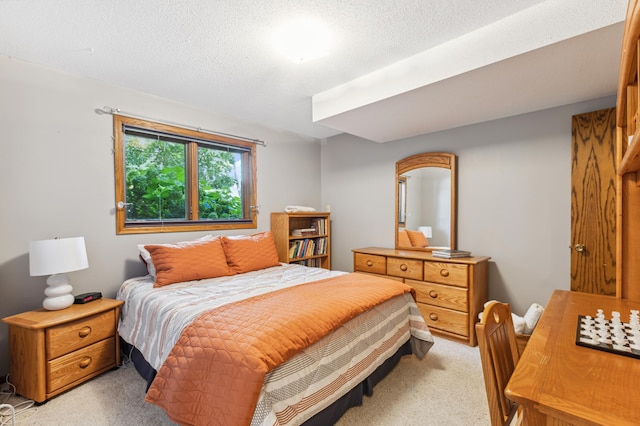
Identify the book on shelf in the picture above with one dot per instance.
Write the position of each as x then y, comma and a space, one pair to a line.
307, 247
450, 254
304, 232
314, 263
321, 246
320, 225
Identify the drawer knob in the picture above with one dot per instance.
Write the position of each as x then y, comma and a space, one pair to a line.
444, 272
369, 263
404, 267
433, 316
433, 294
84, 362
84, 332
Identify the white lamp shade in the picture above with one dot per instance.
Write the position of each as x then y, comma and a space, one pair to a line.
426, 230
57, 256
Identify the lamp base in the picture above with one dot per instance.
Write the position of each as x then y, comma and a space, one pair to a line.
58, 293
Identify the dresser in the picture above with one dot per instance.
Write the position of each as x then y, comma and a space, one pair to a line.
53, 351
450, 293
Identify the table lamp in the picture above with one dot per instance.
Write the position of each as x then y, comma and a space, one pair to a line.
426, 230
54, 258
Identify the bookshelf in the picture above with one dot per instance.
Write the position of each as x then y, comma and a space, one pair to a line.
628, 159
303, 237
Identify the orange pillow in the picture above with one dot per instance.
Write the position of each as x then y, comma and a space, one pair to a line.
403, 239
190, 261
417, 239
146, 257
247, 253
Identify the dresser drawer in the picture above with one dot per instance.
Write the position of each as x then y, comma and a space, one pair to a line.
69, 368
441, 295
405, 268
73, 335
445, 319
382, 276
370, 263
446, 273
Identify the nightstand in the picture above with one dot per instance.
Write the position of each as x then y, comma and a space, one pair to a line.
53, 351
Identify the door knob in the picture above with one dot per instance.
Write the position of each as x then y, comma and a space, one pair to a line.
580, 248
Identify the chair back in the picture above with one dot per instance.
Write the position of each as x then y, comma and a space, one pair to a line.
499, 355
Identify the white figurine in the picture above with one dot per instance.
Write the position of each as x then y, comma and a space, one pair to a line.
526, 324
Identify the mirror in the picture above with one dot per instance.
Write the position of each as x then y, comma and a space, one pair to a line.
426, 201
402, 200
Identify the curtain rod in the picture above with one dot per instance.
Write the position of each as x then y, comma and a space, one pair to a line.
112, 111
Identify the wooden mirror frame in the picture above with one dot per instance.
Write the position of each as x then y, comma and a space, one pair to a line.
442, 160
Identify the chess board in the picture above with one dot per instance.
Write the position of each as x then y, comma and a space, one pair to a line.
600, 335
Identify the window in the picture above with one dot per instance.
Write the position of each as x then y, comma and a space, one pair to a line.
171, 179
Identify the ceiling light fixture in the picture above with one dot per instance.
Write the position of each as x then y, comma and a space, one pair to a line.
303, 40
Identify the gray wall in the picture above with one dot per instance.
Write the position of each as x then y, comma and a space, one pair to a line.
514, 183
56, 169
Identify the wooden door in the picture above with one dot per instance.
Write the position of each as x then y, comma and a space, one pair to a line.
593, 202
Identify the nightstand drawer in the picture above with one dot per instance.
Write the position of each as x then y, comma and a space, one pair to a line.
69, 368
446, 273
370, 263
68, 337
441, 295
445, 319
405, 268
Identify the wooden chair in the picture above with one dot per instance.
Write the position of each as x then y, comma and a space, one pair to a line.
499, 355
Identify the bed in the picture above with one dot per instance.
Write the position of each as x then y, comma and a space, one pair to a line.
325, 337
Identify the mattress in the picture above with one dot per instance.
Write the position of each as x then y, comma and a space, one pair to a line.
153, 319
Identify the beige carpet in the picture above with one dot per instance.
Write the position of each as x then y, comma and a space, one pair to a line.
446, 388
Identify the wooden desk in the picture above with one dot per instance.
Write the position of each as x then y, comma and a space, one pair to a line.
560, 383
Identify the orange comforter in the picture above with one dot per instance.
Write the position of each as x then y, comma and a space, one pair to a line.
215, 372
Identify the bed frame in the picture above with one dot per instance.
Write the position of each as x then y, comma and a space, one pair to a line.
327, 416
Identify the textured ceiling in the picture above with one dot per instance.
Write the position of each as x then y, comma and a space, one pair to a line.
397, 68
